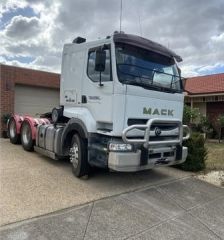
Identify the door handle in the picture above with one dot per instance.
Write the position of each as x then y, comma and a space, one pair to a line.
84, 99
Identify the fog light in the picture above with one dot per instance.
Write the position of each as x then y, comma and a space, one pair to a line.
120, 147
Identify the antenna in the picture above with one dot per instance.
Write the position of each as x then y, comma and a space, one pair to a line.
121, 14
139, 22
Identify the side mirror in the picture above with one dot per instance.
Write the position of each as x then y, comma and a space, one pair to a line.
179, 71
183, 82
100, 61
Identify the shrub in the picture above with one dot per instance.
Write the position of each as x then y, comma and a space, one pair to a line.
190, 115
204, 126
197, 153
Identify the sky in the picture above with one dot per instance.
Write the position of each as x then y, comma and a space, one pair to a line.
33, 32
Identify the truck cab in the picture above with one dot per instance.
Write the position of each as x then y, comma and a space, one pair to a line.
121, 107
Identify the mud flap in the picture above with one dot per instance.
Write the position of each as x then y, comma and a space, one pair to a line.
144, 156
179, 152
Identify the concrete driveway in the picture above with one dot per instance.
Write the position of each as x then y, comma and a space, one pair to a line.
33, 185
41, 199
183, 209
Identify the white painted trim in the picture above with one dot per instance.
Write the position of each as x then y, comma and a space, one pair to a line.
204, 95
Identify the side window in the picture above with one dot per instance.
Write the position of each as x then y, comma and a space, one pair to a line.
92, 74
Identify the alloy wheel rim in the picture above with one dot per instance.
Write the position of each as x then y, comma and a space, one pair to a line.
74, 155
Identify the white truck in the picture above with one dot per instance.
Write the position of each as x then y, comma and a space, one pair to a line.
121, 106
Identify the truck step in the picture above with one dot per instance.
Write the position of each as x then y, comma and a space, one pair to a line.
46, 152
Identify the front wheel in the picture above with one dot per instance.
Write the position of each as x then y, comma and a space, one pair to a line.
26, 136
79, 156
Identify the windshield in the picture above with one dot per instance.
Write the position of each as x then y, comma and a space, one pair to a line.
140, 67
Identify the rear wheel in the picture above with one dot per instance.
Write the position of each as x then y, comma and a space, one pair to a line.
12, 133
79, 156
26, 137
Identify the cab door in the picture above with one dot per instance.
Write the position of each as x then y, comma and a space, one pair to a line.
96, 97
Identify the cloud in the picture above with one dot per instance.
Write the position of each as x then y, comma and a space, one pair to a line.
193, 29
23, 28
209, 68
11, 5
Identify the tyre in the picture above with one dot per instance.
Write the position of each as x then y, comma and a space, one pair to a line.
13, 135
79, 156
26, 137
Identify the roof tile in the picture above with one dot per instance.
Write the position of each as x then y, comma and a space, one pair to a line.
205, 84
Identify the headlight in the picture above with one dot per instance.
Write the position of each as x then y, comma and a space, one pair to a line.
120, 147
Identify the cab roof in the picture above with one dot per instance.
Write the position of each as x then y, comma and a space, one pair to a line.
146, 44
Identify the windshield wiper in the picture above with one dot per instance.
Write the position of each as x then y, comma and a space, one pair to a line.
157, 88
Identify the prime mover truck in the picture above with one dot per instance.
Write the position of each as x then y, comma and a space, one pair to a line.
121, 106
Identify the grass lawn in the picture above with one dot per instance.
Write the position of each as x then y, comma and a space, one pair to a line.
215, 158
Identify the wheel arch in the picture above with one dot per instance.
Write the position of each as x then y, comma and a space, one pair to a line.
74, 126
34, 122
18, 121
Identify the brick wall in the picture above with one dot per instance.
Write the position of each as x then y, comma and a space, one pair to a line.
10, 75
36, 78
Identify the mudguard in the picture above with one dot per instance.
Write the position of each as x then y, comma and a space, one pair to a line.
18, 120
33, 122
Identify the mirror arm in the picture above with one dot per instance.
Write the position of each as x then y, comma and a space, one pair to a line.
100, 84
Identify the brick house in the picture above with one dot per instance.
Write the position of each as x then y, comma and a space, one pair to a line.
27, 91
207, 94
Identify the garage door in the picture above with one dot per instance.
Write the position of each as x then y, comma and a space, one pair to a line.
35, 100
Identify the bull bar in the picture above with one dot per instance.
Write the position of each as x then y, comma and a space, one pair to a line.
146, 139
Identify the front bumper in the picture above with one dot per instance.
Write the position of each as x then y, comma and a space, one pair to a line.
151, 152
131, 161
